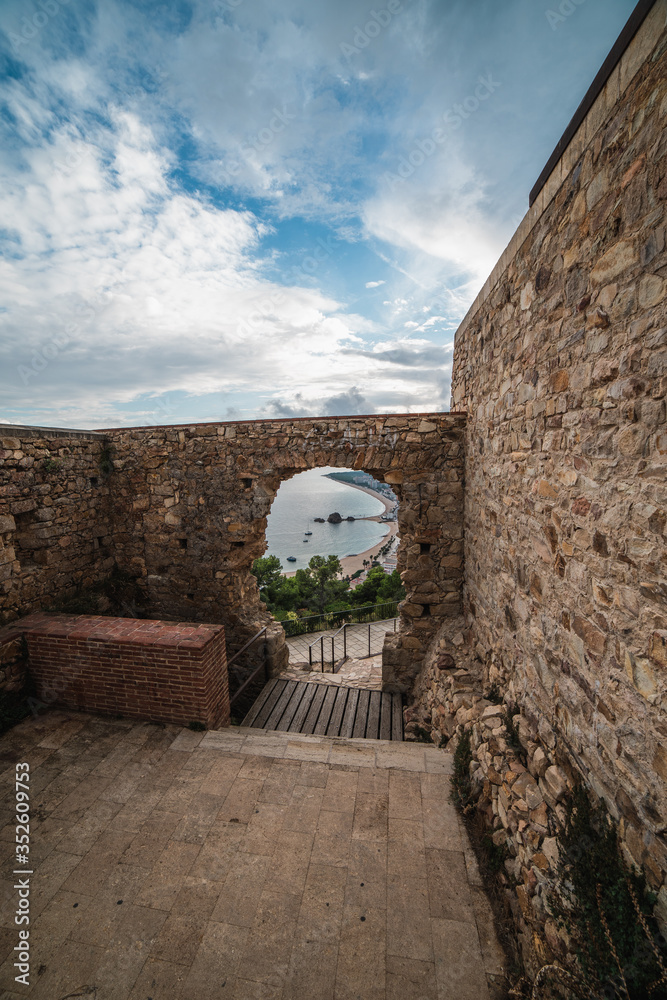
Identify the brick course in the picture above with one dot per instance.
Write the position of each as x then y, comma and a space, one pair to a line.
161, 671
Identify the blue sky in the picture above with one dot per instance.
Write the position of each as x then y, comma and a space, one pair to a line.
242, 208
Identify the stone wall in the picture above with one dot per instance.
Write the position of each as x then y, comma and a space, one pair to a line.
190, 506
561, 365
183, 511
55, 532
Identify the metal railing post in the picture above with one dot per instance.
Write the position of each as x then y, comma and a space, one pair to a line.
369, 639
321, 654
345, 640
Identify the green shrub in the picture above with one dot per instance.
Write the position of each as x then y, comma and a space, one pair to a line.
606, 908
461, 784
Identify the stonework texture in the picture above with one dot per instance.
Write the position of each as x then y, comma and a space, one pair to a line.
190, 507
54, 525
183, 510
153, 670
561, 365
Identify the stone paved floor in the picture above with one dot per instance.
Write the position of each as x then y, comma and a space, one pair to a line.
366, 673
173, 865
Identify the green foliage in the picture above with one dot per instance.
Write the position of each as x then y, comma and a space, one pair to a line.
312, 590
267, 570
495, 855
51, 464
318, 589
461, 784
378, 587
606, 908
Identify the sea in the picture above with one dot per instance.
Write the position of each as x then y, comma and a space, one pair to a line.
309, 495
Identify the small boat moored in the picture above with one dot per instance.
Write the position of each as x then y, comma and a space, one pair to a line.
291, 559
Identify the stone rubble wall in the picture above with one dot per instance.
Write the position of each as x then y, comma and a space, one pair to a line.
521, 793
55, 532
190, 506
183, 511
561, 365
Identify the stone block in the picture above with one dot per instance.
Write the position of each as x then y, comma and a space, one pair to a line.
658, 648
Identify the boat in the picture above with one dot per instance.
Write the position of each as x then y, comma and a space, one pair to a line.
307, 532
305, 539
291, 559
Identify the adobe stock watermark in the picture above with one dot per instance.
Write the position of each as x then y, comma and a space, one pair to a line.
565, 10
31, 26
452, 119
378, 20
43, 356
149, 82
265, 308
280, 120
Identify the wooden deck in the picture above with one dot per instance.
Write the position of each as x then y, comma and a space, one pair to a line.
327, 710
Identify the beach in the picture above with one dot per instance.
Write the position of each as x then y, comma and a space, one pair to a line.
351, 564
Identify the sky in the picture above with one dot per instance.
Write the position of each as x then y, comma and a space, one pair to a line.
242, 209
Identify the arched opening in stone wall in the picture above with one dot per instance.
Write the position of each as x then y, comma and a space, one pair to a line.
329, 573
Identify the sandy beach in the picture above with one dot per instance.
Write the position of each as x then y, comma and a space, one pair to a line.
351, 564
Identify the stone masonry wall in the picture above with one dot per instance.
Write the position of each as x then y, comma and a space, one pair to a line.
183, 510
561, 365
54, 516
190, 506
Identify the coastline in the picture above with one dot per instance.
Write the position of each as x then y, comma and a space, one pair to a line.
351, 564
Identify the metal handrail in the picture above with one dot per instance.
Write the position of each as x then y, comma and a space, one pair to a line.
302, 626
248, 681
320, 642
243, 648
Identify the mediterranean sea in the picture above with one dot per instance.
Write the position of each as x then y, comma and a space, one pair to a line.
309, 495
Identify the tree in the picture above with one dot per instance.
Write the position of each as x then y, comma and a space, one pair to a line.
320, 584
378, 587
267, 570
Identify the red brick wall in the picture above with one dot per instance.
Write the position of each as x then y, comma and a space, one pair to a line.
155, 670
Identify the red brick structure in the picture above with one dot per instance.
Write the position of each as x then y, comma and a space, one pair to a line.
162, 671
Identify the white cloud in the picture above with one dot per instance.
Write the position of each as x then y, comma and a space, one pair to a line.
375, 284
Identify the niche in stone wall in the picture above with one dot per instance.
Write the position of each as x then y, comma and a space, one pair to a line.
31, 540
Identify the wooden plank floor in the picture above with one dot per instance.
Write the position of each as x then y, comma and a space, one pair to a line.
327, 710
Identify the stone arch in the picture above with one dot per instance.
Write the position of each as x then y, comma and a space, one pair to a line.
206, 491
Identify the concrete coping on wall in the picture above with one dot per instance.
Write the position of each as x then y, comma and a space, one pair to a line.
287, 420
23, 430
635, 55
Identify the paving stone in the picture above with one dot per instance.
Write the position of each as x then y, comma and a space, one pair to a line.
408, 919
253, 875
242, 890
361, 954
406, 978
214, 968
459, 969
159, 980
